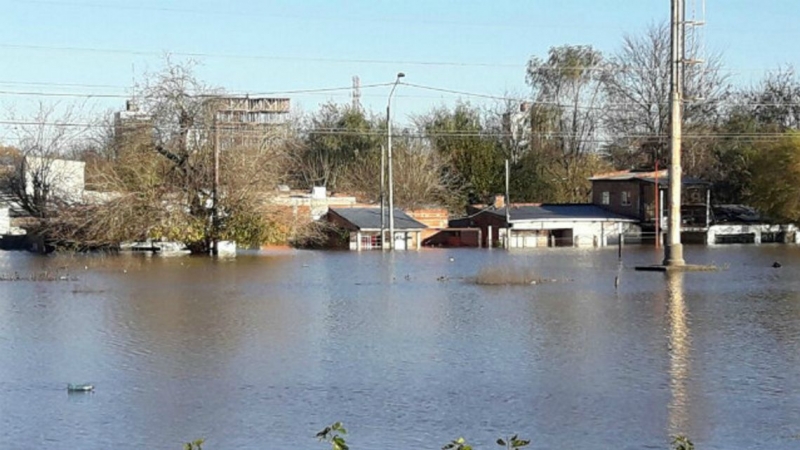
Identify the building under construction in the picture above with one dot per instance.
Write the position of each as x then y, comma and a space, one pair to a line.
246, 121
238, 121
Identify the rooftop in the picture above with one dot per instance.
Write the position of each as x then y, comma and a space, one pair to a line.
370, 218
578, 211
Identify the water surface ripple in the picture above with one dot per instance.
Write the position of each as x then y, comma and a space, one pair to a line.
264, 350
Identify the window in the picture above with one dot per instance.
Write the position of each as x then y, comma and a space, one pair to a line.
626, 198
606, 198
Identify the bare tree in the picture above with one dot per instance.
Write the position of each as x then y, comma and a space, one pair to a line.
637, 85
420, 176
158, 177
41, 181
775, 101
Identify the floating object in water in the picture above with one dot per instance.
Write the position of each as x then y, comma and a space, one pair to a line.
776, 264
452, 259
84, 387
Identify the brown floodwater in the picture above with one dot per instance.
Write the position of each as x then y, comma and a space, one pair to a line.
264, 350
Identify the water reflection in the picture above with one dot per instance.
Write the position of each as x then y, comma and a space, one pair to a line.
679, 355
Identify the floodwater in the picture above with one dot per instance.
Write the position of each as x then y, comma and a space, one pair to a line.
264, 350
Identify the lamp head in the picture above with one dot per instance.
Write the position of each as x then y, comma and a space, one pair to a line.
400, 75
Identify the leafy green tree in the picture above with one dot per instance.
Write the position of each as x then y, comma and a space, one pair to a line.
776, 178
472, 154
734, 151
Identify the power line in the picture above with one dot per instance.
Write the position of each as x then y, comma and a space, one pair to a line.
413, 133
420, 20
257, 57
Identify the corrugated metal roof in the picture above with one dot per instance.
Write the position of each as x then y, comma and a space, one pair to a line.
370, 218
561, 212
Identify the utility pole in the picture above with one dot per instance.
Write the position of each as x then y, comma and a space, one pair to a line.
215, 193
673, 251
383, 198
508, 208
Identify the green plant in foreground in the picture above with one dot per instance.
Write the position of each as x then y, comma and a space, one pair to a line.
333, 434
457, 444
681, 442
512, 443
194, 445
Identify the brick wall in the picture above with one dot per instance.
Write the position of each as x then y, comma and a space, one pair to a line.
615, 189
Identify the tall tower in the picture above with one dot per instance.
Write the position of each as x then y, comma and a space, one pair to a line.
356, 95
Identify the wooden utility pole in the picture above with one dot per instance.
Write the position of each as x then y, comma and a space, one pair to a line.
673, 251
508, 208
215, 193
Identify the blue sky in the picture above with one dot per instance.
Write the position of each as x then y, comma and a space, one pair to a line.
269, 46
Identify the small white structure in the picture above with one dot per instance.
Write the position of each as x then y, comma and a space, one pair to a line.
555, 225
311, 206
64, 179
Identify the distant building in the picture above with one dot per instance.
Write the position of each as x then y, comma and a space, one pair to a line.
63, 179
132, 125
248, 121
239, 120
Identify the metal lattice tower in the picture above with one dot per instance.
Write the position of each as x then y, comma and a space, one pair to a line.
356, 96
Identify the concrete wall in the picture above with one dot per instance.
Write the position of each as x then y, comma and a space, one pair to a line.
569, 233
66, 178
5, 220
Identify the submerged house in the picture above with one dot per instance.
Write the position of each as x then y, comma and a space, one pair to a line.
546, 225
361, 228
643, 195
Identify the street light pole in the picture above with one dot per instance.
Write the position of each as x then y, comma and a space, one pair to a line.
389, 152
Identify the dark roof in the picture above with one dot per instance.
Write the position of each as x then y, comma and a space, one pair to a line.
370, 218
583, 211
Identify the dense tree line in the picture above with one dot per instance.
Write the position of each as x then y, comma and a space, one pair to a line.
586, 113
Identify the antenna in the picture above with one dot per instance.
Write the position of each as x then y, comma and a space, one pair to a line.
133, 85
356, 93
694, 47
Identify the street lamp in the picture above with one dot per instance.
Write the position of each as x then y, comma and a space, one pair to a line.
389, 151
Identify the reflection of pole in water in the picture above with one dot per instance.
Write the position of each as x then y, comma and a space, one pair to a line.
679, 363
